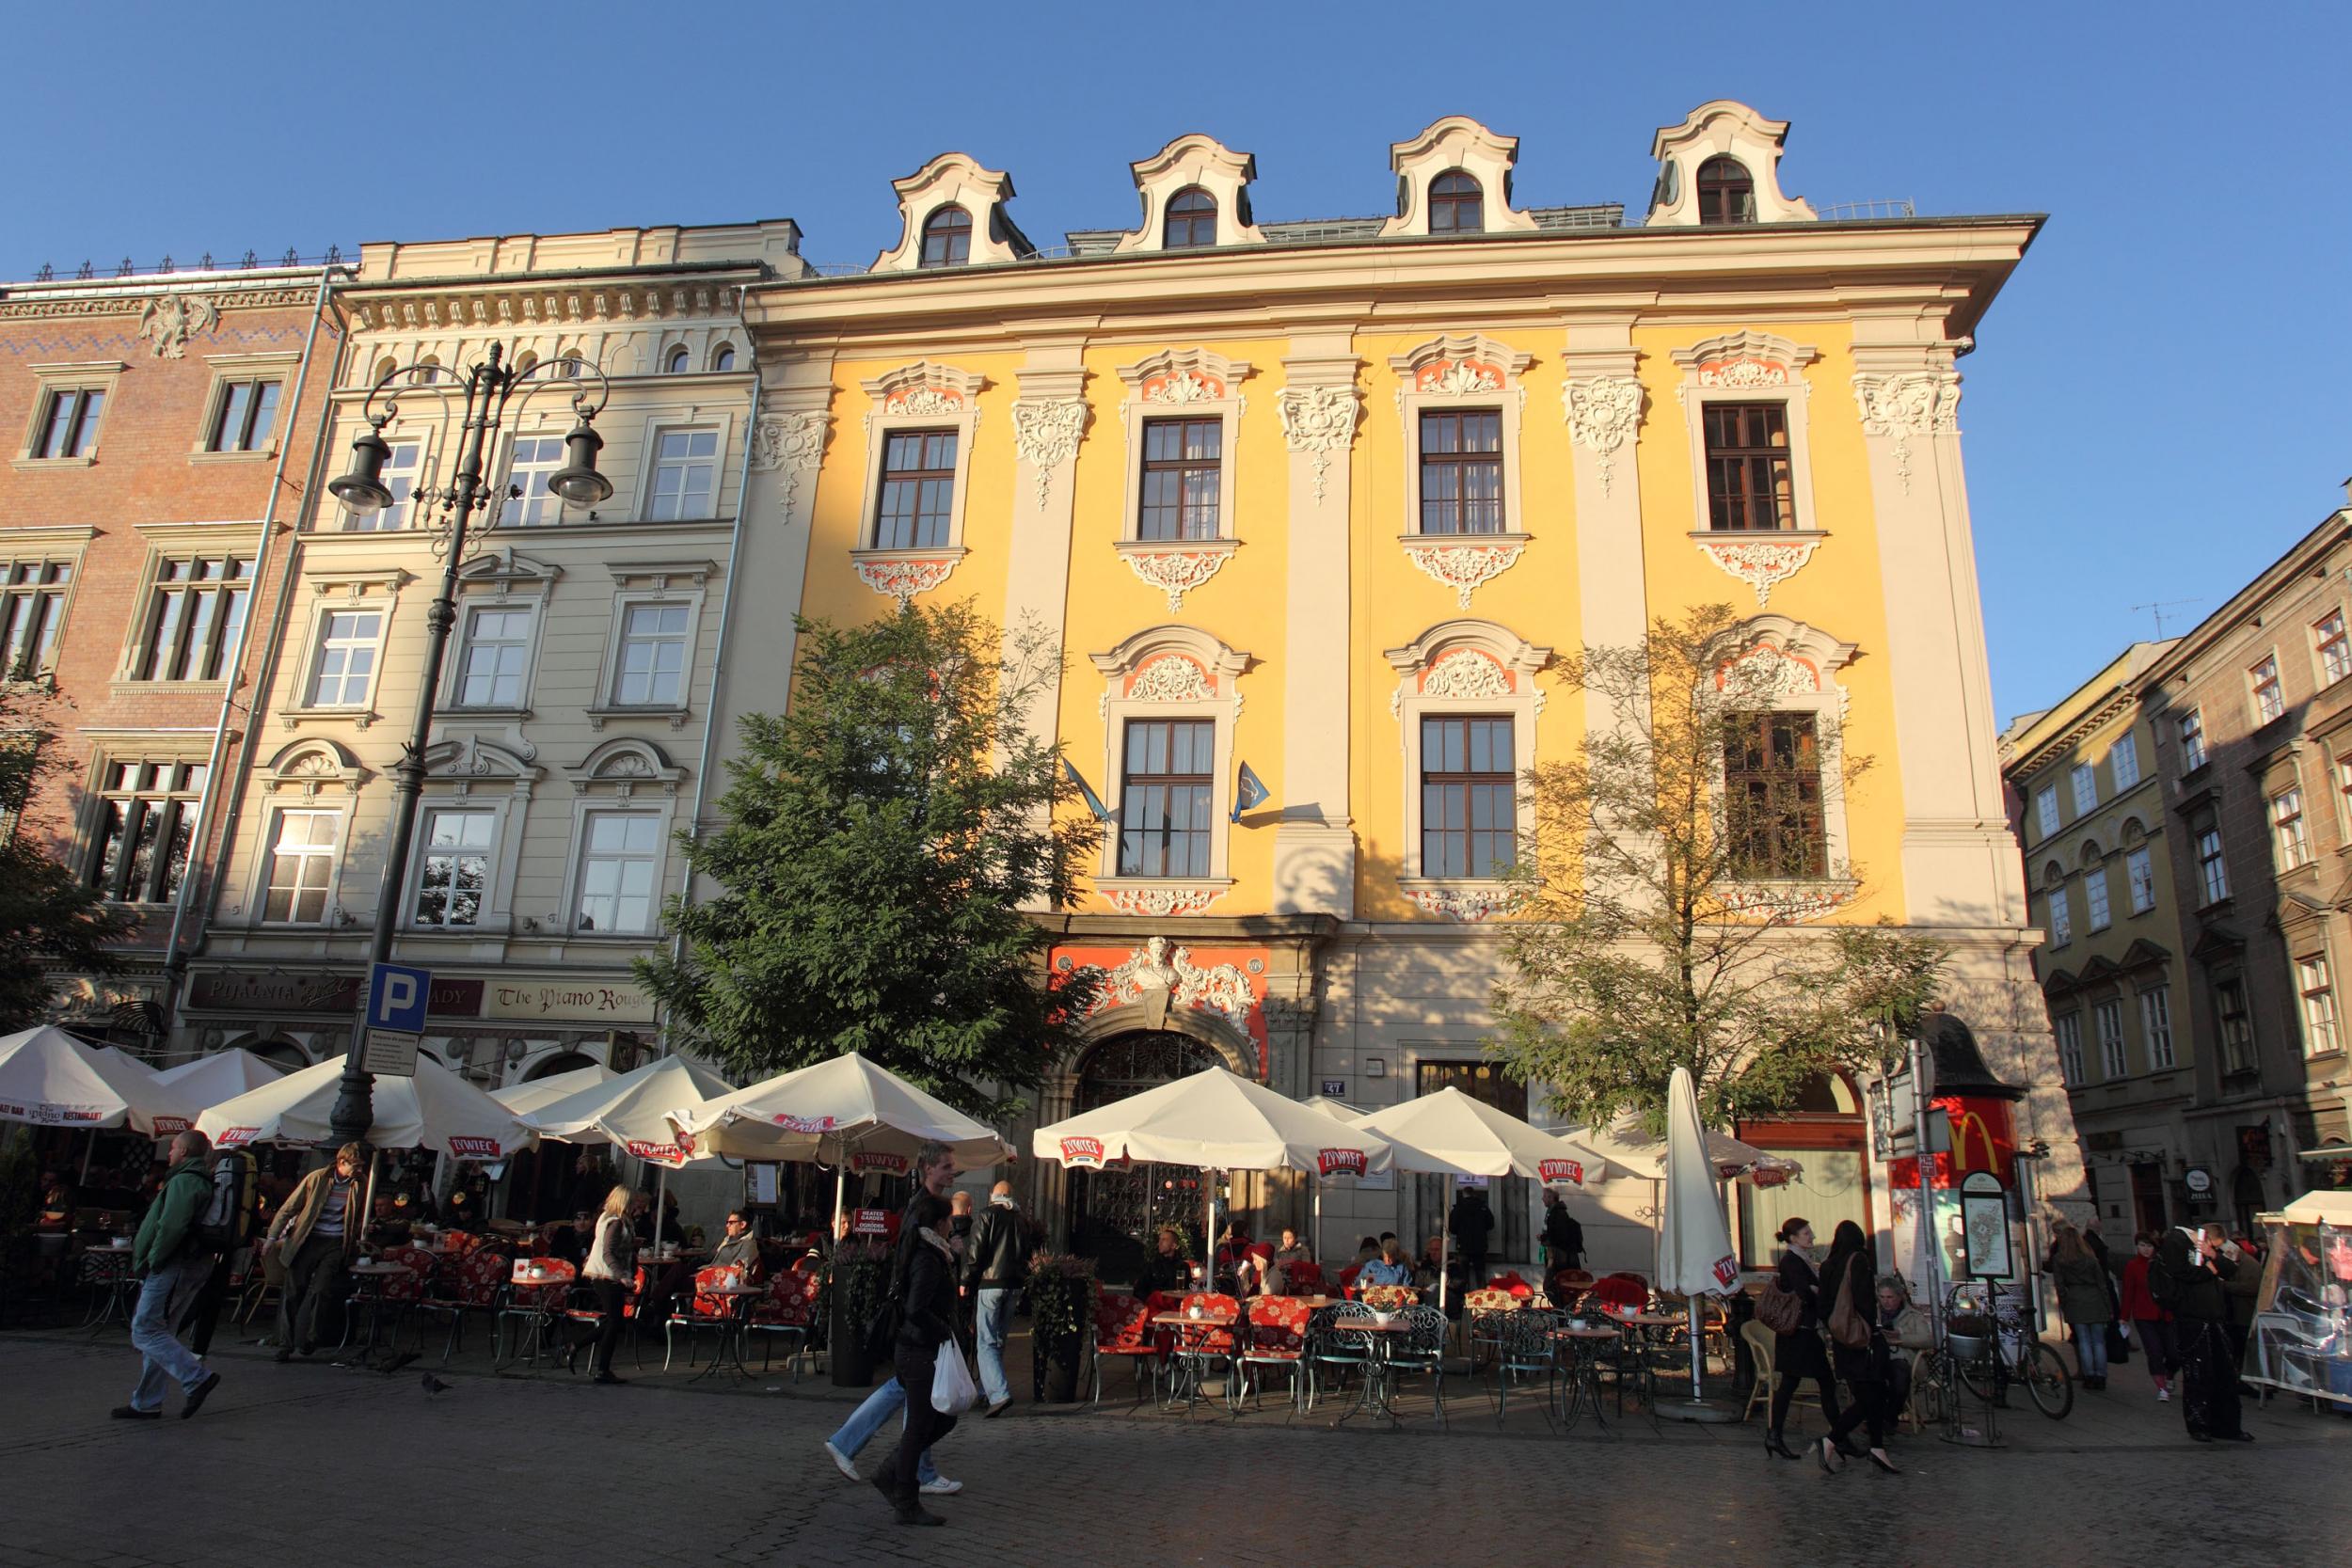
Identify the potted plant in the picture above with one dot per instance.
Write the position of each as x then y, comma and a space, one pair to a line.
856, 1282
1062, 1291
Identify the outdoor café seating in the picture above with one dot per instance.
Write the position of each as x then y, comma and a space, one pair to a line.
786, 1312
393, 1295
1122, 1331
580, 1307
1623, 1292
701, 1310
1202, 1353
1387, 1298
1277, 1339
474, 1282
1524, 1355
1336, 1350
1483, 1309
1421, 1352
535, 1306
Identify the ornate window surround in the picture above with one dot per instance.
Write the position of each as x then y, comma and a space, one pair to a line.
955, 180
227, 368
313, 773
1787, 667
636, 582
1451, 142
1464, 371
165, 543
1194, 159
62, 547
1720, 125
920, 395
503, 578
1751, 367
1191, 383
92, 375
483, 775
612, 777
336, 589
1169, 671
1461, 666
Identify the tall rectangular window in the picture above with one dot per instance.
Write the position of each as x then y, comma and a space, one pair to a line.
249, 412
1181, 462
1749, 483
301, 867
2263, 680
618, 862
536, 460
2323, 1031
2335, 649
147, 824
192, 629
919, 490
2107, 1019
2294, 841
2070, 1047
2212, 871
400, 478
1469, 796
2236, 1027
2192, 740
2086, 781
2123, 760
1166, 800
1773, 796
685, 475
652, 667
2095, 897
2140, 867
32, 608
453, 876
2045, 811
2061, 917
1461, 471
344, 666
2155, 1026
498, 654
69, 423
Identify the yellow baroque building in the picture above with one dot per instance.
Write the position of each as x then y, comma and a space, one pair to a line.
1331, 501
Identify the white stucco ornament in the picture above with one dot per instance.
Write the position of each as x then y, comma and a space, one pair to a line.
1155, 975
1320, 420
1603, 412
1760, 562
1171, 678
1046, 436
1466, 673
789, 444
171, 320
1176, 573
1918, 402
1161, 902
1460, 563
924, 400
1469, 905
903, 576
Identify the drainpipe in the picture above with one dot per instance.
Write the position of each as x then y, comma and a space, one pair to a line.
174, 965
726, 608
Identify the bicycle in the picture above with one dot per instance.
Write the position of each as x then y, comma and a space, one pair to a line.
2012, 1355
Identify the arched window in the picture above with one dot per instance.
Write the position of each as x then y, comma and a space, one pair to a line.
2053, 874
947, 238
1726, 191
675, 362
1456, 205
1191, 220
725, 358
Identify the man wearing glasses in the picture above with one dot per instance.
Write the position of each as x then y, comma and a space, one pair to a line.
741, 1249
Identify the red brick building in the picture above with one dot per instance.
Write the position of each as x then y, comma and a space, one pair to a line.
162, 431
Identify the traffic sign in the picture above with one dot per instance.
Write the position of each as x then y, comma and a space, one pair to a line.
397, 996
390, 1053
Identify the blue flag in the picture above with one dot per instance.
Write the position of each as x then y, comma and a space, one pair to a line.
1094, 802
1252, 792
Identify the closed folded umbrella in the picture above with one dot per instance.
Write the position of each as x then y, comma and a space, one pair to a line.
1695, 1255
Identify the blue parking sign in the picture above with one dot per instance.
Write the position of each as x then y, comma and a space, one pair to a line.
396, 997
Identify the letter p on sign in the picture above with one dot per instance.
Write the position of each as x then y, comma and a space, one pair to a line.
396, 997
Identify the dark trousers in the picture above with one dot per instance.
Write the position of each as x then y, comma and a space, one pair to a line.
315, 1286
1796, 1357
2209, 1392
611, 1297
203, 1312
2155, 1342
1871, 1380
925, 1425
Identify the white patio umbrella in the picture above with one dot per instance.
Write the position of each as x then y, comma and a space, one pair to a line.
1216, 1120
50, 1079
1340, 1111
1695, 1255
631, 1111
1630, 1148
218, 1075
437, 1110
535, 1092
1448, 1133
834, 1111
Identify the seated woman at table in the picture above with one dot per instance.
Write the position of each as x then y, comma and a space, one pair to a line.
1390, 1268
1367, 1251
1166, 1268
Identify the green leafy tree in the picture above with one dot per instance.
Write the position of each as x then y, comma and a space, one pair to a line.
49, 922
1660, 924
885, 844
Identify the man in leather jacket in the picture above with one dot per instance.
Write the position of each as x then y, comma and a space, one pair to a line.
996, 1264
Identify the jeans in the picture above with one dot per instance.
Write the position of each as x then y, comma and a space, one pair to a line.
866, 1420
995, 1319
2090, 1349
161, 1355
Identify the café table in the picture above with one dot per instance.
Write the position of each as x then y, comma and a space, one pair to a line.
1382, 1340
534, 1274
1190, 1356
739, 1300
369, 1276
1580, 1350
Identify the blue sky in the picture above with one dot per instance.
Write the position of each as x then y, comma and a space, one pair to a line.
2155, 410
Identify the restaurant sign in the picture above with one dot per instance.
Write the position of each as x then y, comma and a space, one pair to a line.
870, 1222
166, 1127
570, 1001
1561, 1170
241, 992
236, 1137
1340, 1162
48, 1114
1727, 1271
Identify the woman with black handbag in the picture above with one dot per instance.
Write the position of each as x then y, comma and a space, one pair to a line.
1851, 1310
1797, 1353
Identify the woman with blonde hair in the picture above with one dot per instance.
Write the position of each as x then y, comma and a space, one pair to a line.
610, 1270
2082, 1292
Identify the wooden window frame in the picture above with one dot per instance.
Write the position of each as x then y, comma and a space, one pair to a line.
1209, 471
887, 476
1156, 861
176, 802
1721, 177
1739, 461
331, 854
1450, 203
950, 224
1810, 817
1203, 211
1459, 460
150, 659
1470, 780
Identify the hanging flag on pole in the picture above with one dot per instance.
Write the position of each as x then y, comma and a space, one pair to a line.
1252, 792
1094, 802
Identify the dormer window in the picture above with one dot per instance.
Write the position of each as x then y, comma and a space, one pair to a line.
947, 238
677, 362
1191, 220
724, 359
1726, 191
1457, 204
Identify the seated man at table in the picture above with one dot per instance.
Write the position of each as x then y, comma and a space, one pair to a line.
1166, 1268
1390, 1268
1433, 1261
739, 1249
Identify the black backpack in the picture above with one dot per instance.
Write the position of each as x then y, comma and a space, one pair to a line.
228, 1216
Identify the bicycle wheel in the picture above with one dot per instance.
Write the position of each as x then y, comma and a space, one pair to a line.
1982, 1376
2048, 1381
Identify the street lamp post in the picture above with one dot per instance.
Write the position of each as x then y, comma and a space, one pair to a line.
489, 387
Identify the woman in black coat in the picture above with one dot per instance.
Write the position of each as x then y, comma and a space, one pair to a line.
1849, 1274
927, 1328
1798, 1356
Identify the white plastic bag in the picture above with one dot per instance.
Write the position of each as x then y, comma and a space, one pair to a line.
952, 1389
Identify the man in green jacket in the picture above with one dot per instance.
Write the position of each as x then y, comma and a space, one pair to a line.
168, 1254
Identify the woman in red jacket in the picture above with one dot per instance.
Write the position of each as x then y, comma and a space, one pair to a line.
2141, 1311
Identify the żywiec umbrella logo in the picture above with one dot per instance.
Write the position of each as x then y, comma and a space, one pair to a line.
1561, 1170
802, 1124
1082, 1152
1340, 1162
234, 1136
472, 1149
896, 1164
1726, 1271
166, 1126
664, 1154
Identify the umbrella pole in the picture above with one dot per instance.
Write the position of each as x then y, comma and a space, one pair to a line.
840, 1187
1698, 1386
660, 1191
87, 1150
1445, 1239
1318, 1192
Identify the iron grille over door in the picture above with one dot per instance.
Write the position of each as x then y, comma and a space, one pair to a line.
1115, 1212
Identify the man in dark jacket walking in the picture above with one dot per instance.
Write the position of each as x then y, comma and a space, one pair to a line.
1563, 1237
996, 1264
1472, 1223
167, 1253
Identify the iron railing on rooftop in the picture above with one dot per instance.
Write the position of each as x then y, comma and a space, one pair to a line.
207, 263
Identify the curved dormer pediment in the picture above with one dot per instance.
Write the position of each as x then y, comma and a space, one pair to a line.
1455, 145
1722, 128
955, 180
1194, 162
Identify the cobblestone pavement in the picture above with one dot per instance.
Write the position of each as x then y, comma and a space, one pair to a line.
312, 1463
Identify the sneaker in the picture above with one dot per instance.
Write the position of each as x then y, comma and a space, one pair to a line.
199, 1394
998, 1409
940, 1486
2164, 1396
133, 1413
840, 1459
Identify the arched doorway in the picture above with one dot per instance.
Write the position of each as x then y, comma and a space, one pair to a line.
1112, 1212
